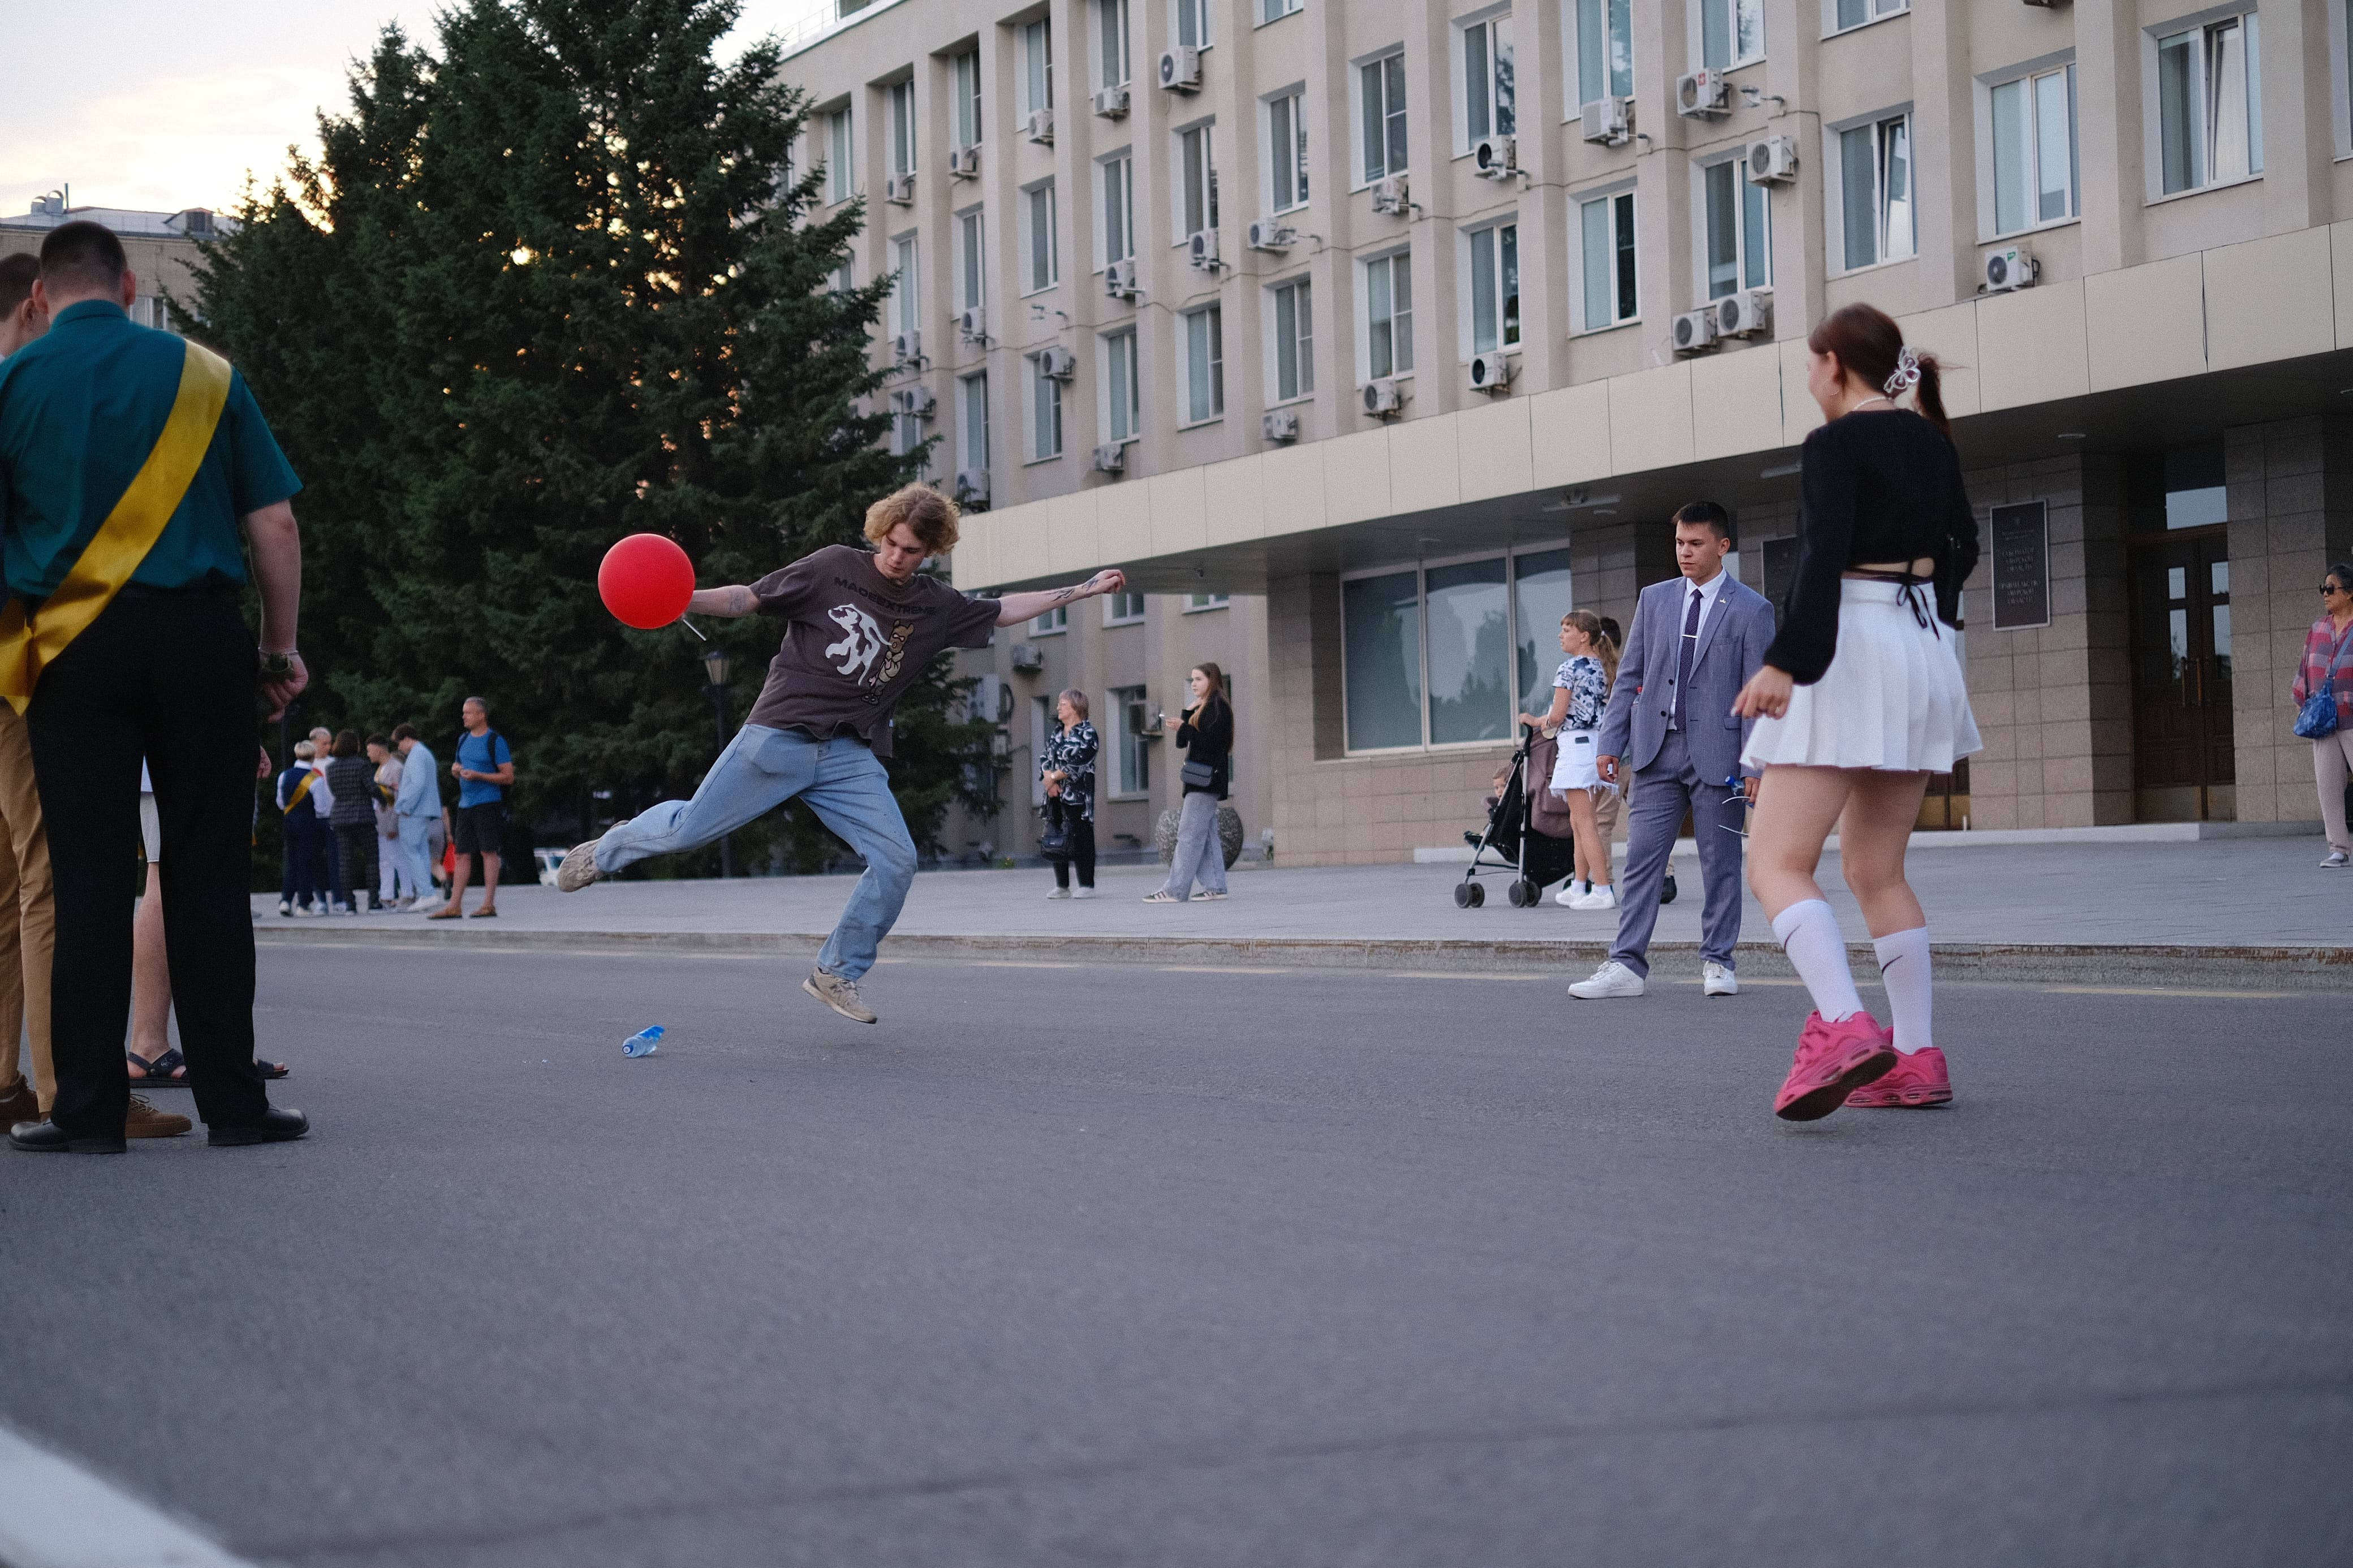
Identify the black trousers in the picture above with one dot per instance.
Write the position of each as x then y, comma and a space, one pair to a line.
168, 677
355, 861
1082, 854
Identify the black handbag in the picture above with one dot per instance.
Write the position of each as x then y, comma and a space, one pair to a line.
1054, 842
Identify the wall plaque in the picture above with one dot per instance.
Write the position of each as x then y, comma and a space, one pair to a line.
2022, 567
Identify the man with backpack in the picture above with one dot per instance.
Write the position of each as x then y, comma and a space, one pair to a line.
484, 769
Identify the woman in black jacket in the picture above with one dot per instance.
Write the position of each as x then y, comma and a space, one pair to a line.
1207, 734
350, 779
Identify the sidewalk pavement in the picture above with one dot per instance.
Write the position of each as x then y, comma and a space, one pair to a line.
2230, 911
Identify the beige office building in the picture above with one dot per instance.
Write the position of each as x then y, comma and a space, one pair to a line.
162, 247
1369, 337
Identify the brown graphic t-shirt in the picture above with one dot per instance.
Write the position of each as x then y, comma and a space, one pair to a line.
855, 641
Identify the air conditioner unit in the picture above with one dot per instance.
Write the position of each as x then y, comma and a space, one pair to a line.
1702, 95
972, 325
1058, 362
972, 488
1180, 69
964, 162
1772, 161
1111, 458
1119, 280
1029, 657
1111, 103
1383, 400
907, 348
918, 401
1495, 158
2009, 267
1609, 120
1695, 332
1271, 234
1041, 127
1390, 196
1491, 372
899, 190
1201, 249
1745, 314
1279, 424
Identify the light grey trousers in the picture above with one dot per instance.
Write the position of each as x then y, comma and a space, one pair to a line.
1200, 856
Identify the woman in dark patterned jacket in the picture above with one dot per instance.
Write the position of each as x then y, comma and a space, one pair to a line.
1066, 767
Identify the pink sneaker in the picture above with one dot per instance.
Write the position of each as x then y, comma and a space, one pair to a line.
1832, 1061
1914, 1082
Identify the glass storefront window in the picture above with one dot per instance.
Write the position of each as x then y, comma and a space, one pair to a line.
1476, 632
1470, 653
1381, 637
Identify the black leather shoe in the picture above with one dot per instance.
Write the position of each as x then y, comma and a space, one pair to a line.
278, 1125
49, 1138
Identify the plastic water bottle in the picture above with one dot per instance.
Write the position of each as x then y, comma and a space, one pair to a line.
644, 1043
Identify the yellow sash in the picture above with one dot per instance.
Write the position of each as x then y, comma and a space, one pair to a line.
126, 536
302, 792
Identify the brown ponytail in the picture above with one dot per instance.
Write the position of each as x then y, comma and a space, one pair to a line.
1605, 646
1867, 343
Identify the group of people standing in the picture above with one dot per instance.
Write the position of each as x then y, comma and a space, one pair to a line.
1066, 772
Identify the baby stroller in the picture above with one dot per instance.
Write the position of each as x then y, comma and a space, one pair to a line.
1536, 859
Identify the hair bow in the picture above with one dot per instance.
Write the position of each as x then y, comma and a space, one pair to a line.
1907, 375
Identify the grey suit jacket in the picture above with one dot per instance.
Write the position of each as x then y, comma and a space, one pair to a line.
1732, 643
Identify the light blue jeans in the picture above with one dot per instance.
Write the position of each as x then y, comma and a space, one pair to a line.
1199, 852
840, 780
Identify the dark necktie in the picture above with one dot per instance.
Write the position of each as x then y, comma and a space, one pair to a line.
1684, 659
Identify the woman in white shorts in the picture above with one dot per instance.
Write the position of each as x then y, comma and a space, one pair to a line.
1859, 699
1580, 690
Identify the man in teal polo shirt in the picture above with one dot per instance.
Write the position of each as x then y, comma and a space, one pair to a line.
99, 445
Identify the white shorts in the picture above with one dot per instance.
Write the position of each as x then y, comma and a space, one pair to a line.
1892, 698
151, 830
1577, 767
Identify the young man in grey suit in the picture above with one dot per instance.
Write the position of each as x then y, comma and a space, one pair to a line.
1696, 640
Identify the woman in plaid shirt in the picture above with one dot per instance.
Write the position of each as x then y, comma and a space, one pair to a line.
2328, 663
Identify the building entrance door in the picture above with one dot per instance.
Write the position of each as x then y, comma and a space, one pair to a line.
2184, 769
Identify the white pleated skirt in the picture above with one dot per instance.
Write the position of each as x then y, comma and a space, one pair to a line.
1892, 698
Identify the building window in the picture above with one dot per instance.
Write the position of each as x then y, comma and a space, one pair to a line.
1205, 363
1039, 234
838, 186
1193, 24
972, 261
1739, 229
1037, 67
1111, 34
2210, 111
1135, 751
1875, 191
1439, 656
1276, 10
1294, 341
1382, 83
1388, 315
1045, 412
902, 127
1494, 288
1488, 95
1603, 39
1209, 602
2033, 131
1119, 208
974, 392
1122, 610
1731, 33
1197, 153
1845, 14
1052, 624
845, 276
968, 98
1606, 259
906, 313
1123, 409
1286, 124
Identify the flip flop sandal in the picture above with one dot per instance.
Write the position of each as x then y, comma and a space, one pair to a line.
270, 1070
483, 915
442, 915
169, 1070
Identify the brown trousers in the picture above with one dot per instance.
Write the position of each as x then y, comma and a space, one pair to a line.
28, 914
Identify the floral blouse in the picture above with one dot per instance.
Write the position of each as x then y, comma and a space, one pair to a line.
1073, 752
1587, 689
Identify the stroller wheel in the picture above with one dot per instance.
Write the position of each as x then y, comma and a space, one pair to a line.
1522, 893
1465, 894
1478, 894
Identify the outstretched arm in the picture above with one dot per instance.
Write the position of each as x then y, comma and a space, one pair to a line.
726, 602
1019, 607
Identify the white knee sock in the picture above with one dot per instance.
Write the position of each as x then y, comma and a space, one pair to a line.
1810, 935
1903, 970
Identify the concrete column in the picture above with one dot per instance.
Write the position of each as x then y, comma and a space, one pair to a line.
2109, 132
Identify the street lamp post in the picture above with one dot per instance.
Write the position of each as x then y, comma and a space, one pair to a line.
715, 665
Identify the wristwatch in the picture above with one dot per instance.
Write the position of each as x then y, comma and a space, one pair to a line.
276, 666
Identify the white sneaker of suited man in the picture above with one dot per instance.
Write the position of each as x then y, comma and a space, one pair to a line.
1613, 979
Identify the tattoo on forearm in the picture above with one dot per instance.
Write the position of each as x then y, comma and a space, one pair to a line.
1063, 596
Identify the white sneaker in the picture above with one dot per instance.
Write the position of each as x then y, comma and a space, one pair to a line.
1612, 979
1058, 893
1083, 892
1604, 897
579, 866
2336, 861
1717, 980
1570, 891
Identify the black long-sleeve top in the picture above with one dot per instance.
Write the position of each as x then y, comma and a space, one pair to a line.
1208, 736
1879, 485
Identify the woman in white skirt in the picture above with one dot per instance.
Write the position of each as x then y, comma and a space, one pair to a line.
1580, 693
1859, 699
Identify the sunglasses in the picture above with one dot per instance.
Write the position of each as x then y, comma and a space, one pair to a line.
2328, 588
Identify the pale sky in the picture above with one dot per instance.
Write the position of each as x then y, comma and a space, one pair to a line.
163, 104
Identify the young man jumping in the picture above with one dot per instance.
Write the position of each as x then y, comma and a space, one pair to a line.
860, 627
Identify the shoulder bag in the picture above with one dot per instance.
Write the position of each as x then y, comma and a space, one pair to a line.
1054, 842
2317, 720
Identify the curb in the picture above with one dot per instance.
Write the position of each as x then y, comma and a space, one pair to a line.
2297, 968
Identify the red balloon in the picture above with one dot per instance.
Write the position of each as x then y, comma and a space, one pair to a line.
646, 580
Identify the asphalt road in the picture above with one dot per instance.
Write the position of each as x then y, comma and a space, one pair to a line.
1063, 1266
